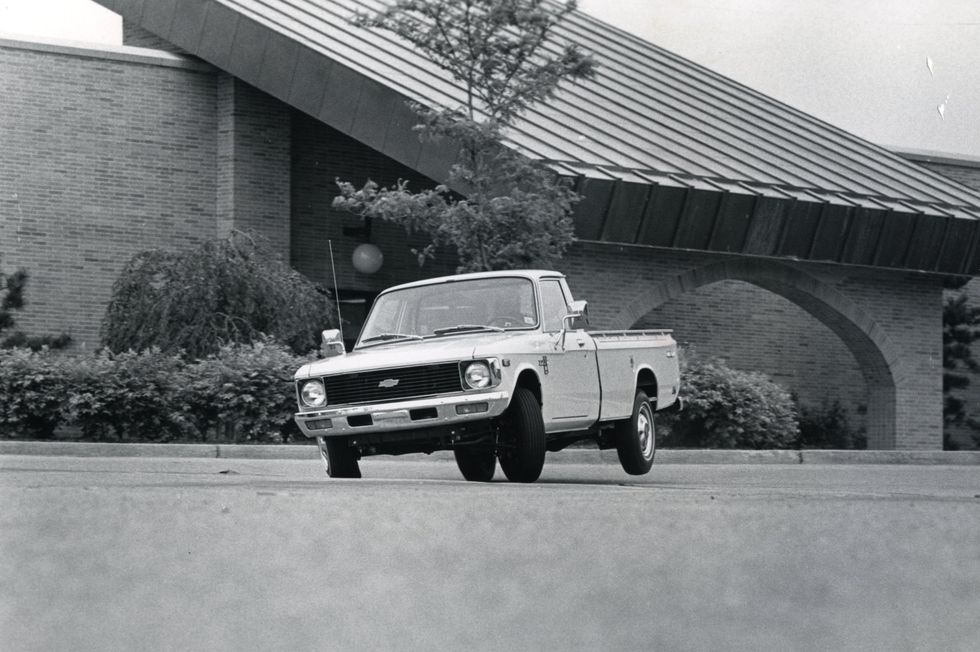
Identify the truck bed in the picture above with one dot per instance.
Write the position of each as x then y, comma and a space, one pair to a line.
621, 355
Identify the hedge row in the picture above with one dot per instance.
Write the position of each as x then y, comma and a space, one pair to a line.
243, 393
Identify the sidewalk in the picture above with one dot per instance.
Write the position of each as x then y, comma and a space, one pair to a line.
567, 456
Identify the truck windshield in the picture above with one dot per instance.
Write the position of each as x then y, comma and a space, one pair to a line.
470, 306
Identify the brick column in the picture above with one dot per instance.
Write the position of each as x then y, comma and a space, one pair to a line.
253, 175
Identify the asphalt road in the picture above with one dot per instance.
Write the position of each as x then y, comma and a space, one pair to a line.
217, 554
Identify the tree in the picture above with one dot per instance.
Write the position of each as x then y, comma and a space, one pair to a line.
961, 327
222, 292
508, 211
13, 289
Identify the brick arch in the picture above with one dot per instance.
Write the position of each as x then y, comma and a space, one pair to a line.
876, 356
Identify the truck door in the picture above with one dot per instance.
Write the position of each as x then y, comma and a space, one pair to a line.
569, 375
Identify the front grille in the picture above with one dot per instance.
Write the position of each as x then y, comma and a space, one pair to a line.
379, 386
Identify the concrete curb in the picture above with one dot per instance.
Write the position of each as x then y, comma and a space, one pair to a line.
957, 458
568, 456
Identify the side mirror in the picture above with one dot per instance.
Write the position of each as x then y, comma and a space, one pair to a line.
332, 344
578, 316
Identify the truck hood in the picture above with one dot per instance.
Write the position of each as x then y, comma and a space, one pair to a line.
410, 352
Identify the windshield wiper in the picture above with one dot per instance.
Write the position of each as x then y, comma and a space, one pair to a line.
390, 336
462, 328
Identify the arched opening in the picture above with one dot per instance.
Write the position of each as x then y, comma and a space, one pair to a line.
875, 357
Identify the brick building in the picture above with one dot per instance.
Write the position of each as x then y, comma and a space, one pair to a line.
759, 234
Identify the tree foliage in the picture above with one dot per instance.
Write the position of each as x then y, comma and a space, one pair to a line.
224, 291
13, 290
961, 327
508, 211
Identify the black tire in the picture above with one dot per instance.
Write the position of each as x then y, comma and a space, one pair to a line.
636, 438
339, 459
523, 459
476, 464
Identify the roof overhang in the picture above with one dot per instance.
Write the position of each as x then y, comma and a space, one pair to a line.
276, 47
736, 218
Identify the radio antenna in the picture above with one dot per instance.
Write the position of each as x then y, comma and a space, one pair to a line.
336, 295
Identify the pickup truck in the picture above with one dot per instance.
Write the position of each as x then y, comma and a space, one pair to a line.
493, 366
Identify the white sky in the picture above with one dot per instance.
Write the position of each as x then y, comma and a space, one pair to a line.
858, 64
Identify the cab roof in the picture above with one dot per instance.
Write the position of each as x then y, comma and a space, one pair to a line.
530, 274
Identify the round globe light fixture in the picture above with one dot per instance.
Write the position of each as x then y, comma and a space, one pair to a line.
367, 258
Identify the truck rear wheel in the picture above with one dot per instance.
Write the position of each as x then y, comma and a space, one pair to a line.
636, 438
339, 459
523, 458
476, 464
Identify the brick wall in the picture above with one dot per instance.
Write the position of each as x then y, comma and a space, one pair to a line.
904, 307
754, 329
105, 153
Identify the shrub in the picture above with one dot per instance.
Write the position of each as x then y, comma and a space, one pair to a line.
828, 427
222, 292
12, 297
728, 408
34, 389
132, 395
243, 393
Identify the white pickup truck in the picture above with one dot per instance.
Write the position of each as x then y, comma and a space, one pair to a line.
494, 365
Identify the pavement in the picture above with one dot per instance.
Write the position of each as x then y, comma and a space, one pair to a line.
163, 553
568, 456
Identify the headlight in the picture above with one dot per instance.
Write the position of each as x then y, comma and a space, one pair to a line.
477, 375
313, 394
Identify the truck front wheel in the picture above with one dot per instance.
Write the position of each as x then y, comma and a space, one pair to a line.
636, 438
339, 459
476, 464
522, 453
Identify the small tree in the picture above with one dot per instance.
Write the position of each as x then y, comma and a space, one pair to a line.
961, 327
516, 212
13, 290
222, 292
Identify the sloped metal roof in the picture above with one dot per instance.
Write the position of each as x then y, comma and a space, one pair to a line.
666, 152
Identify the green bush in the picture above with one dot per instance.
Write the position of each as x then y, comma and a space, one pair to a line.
130, 395
243, 393
221, 292
728, 408
33, 387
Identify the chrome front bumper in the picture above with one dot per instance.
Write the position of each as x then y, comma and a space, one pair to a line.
403, 415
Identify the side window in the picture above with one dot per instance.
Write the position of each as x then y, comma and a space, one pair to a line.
553, 305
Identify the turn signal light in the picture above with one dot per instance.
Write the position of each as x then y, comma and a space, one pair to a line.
472, 408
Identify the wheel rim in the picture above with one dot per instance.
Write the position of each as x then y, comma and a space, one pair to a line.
644, 432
